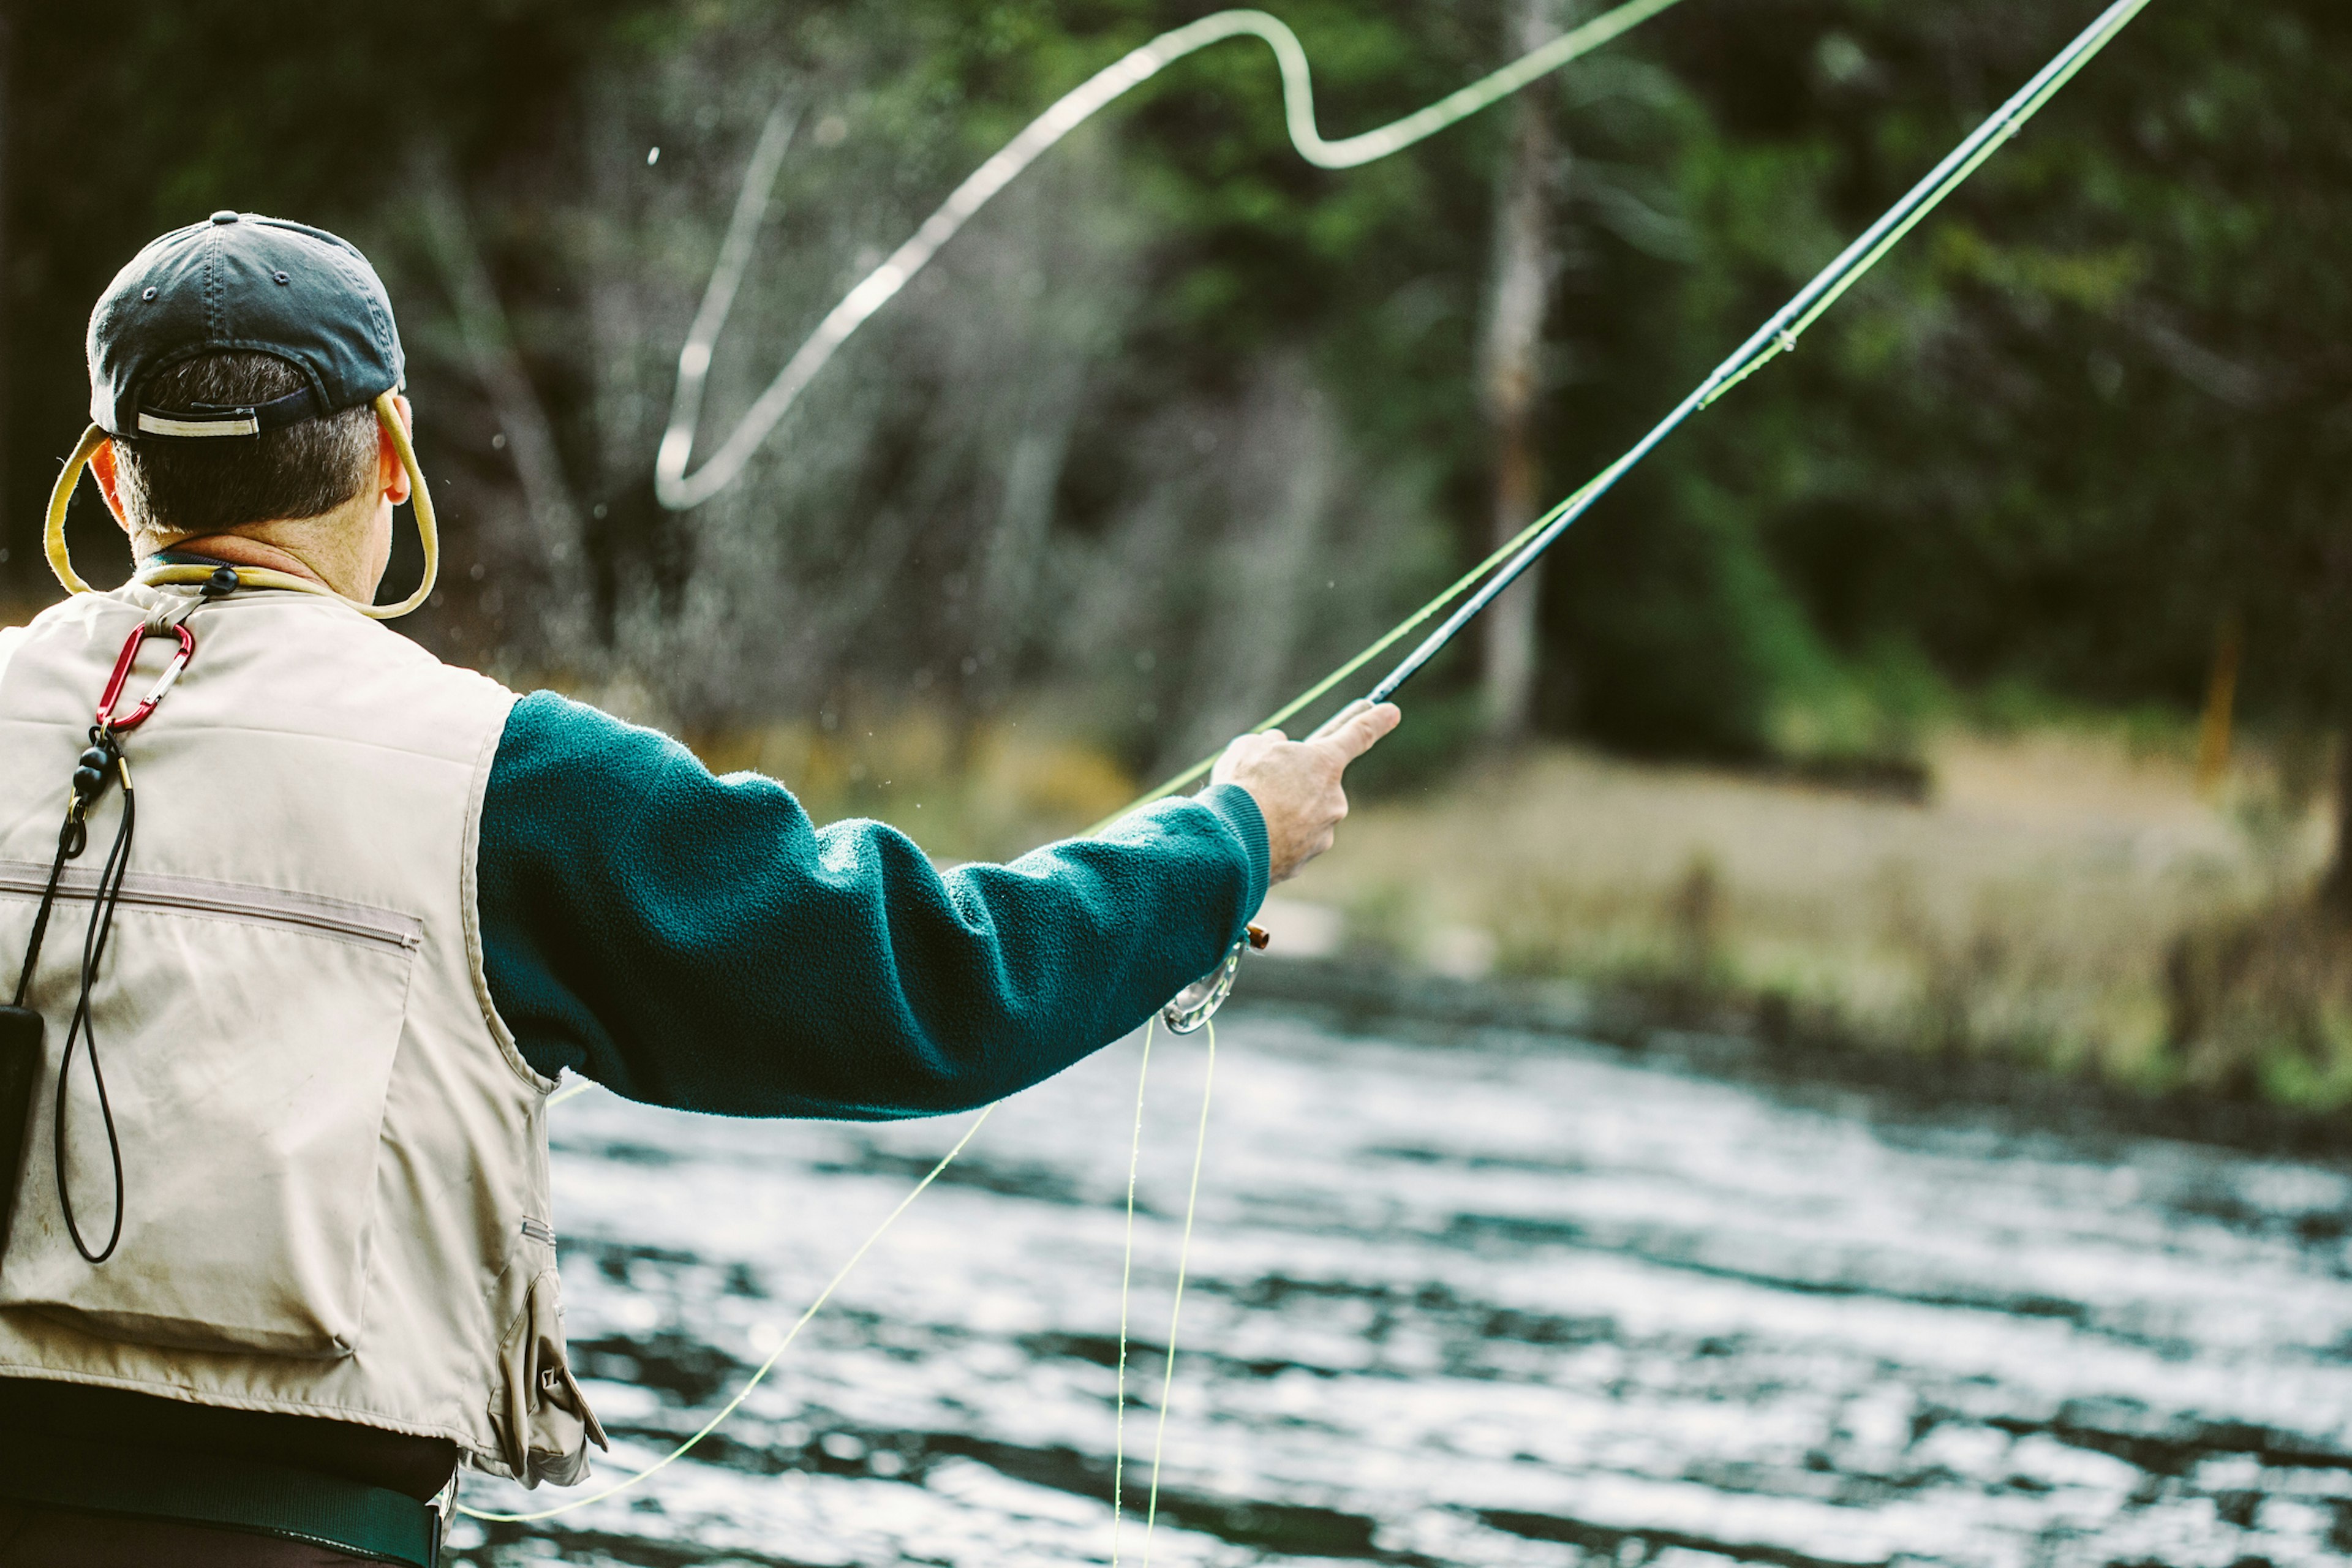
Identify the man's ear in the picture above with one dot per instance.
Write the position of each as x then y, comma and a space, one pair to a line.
391, 474
110, 480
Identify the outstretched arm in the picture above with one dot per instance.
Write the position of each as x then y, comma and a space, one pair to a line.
698, 942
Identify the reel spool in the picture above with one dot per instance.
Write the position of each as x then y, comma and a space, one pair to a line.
1197, 1003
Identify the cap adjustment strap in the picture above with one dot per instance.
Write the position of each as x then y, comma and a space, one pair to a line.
428, 530
200, 420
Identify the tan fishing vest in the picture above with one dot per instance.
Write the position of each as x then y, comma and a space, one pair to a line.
334, 1159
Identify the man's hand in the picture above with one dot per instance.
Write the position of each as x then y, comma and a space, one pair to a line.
1297, 782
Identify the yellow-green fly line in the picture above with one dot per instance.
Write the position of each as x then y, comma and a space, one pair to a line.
1779, 335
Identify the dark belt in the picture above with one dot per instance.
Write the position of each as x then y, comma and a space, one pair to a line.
221, 1492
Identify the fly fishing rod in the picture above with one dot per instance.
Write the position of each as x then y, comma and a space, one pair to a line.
1197, 1003
1776, 337
1779, 335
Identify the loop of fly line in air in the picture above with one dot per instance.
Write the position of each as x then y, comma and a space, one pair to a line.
1777, 336
679, 489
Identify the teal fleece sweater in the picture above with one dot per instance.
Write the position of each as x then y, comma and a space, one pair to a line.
698, 942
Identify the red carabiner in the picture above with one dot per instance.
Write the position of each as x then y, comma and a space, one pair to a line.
171, 672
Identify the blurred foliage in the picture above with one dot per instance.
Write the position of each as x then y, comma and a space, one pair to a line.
2100, 402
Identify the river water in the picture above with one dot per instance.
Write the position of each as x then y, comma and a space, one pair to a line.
1476, 1299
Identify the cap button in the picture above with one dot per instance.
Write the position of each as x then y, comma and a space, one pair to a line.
224, 216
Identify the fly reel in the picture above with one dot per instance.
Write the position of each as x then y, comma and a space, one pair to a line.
1197, 1003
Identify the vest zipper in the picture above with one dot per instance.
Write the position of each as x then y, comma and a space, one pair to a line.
235, 901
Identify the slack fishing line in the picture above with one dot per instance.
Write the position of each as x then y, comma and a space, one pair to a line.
1126, 1282
1779, 335
760, 1375
1127, 1265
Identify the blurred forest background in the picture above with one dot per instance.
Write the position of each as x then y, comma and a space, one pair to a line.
2059, 496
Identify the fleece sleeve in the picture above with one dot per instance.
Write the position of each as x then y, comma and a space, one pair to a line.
698, 942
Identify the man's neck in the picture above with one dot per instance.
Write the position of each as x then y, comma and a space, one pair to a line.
241, 549
342, 551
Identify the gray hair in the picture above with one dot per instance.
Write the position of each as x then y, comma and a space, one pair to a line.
181, 487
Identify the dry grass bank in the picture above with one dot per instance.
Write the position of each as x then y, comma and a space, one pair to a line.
2064, 898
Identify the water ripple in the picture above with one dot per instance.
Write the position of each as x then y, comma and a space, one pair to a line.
1523, 1304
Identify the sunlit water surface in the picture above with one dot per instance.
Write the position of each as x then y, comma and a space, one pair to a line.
1499, 1301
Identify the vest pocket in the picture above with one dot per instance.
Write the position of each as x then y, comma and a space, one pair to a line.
247, 1037
542, 1417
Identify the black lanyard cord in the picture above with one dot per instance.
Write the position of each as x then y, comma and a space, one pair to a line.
71, 838
102, 764
93, 950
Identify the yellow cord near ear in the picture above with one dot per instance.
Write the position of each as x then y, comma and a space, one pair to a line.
61, 498
427, 529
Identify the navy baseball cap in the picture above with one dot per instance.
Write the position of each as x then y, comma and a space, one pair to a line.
241, 281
